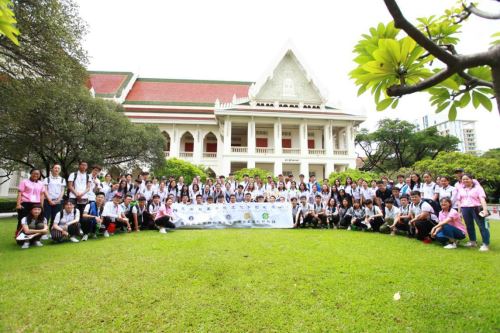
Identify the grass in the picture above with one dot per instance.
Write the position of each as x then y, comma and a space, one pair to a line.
248, 281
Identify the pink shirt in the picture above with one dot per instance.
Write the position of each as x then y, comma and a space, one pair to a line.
31, 191
456, 220
163, 211
470, 197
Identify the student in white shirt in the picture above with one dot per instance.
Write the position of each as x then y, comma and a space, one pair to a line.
54, 191
446, 191
140, 215
79, 186
106, 184
374, 217
428, 187
391, 214
113, 216
306, 211
91, 220
66, 224
423, 217
32, 228
95, 183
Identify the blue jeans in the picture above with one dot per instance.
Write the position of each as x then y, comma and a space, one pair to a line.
470, 215
49, 212
449, 232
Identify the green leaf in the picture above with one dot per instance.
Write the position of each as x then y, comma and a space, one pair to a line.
384, 104
485, 101
443, 106
475, 99
450, 84
465, 99
395, 104
452, 113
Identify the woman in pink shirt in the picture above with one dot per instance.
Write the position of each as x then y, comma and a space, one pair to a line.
471, 201
450, 228
164, 216
31, 192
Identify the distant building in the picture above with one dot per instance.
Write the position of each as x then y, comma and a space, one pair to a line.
464, 130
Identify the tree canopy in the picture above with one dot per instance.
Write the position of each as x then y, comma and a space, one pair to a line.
390, 65
42, 123
397, 144
176, 167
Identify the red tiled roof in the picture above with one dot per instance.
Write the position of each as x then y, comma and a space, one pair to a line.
108, 83
186, 91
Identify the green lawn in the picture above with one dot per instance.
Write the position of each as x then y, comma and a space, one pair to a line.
248, 281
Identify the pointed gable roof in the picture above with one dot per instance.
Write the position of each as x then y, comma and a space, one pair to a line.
288, 80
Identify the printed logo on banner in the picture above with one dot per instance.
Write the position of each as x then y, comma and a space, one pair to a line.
265, 216
228, 217
191, 218
247, 216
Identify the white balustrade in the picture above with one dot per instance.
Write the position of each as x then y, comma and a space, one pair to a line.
239, 150
291, 151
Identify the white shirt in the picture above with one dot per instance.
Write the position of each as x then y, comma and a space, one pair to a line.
66, 218
111, 210
372, 211
423, 207
367, 193
55, 186
428, 190
391, 213
79, 184
447, 192
95, 184
138, 210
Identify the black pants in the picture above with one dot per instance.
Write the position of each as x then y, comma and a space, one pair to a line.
359, 223
148, 223
345, 221
333, 220
38, 226
308, 220
164, 222
296, 219
112, 226
73, 230
403, 225
88, 225
321, 220
424, 228
376, 223
24, 211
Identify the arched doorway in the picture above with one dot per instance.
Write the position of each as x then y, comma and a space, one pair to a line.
210, 146
166, 144
187, 145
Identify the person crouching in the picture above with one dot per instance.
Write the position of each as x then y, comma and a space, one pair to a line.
66, 224
113, 216
165, 216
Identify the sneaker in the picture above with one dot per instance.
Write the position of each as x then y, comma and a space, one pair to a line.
106, 234
26, 245
94, 236
450, 246
349, 228
85, 237
470, 244
81, 232
393, 233
163, 231
484, 248
45, 237
38, 243
73, 239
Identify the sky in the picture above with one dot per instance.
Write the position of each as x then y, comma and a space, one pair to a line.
238, 40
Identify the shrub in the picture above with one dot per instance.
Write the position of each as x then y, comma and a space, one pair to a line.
354, 174
252, 173
176, 167
7, 206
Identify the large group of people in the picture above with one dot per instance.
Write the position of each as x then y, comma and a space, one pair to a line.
86, 206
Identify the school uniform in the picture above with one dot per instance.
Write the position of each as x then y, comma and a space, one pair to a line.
358, 217
80, 181
89, 225
55, 188
423, 227
332, 216
307, 219
390, 216
61, 220
143, 216
32, 225
377, 221
110, 214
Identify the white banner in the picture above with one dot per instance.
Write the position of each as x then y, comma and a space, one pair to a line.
238, 215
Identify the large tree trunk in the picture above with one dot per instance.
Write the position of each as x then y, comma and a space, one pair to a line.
495, 73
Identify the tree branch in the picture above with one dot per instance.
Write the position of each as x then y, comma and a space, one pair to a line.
401, 22
481, 13
400, 90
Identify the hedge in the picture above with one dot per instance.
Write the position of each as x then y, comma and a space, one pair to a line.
8, 206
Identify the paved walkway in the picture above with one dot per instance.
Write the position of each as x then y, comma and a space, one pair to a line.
6, 215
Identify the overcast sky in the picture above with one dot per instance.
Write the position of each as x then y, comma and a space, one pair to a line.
236, 40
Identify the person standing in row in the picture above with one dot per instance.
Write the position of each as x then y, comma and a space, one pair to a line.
54, 191
79, 186
31, 191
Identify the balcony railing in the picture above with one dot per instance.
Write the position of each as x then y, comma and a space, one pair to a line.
167, 153
317, 152
209, 155
264, 151
291, 151
340, 152
240, 150
186, 154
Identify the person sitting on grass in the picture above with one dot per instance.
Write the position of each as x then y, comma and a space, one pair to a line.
391, 213
32, 228
345, 216
423, 218
165, 216
374, 218
357, 214
306, 211
401, 222
140, 215
450, 229
319, 215
296, 213
113, 216
92, 217
66, 224
332, 214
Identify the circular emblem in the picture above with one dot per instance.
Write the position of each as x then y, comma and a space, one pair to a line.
191, 218
265, 216
247, 216
228, 217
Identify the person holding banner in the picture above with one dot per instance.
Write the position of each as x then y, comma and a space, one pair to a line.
165, 216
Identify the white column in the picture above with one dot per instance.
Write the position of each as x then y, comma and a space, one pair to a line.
304, 169
327, 136
197, 147
277, 139
251, 137
278, 167
227, 136
343, 139
251, 163
174, 143
349, 140
226, 166
303, 140
329, 168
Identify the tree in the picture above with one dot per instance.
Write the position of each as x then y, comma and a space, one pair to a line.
396, 144
8, 22
354, 174
492, 153
42, 123
175, 167
486, 170
393, 67
49, 45
252, 172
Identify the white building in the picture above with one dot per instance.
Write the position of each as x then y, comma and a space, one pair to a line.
280, 123
464, 130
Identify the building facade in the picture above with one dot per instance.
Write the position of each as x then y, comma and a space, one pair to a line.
464, 130
280, 123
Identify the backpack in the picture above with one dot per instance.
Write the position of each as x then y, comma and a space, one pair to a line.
74, 178
434, 204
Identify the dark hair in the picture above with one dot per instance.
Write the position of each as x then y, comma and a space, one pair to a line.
128, 196
414, 193
380, 182
100, 193
405, 197
199, 195
413, 183
81, 162
389, 201
30, 216
367, 202
400, 176
317, 196
468, 175
97, 166
39, 171
448, 200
